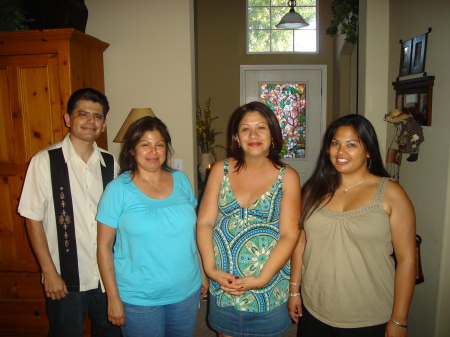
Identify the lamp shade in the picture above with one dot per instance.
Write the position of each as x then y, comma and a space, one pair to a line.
133, 116
292, 20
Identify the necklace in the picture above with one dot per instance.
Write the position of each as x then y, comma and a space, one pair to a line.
156, 186
346, 188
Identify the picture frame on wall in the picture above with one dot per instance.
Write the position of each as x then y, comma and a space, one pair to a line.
419, 50
405, 58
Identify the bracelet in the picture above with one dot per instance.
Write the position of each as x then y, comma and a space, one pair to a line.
403, 326
294, 294
295, 284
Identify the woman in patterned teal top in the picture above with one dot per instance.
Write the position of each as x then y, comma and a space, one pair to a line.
248, 227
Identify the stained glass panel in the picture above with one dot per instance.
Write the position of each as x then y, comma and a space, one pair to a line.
288, 102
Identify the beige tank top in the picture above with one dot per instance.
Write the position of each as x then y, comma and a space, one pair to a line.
348, 271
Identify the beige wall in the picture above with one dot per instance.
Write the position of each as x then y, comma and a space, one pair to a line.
427, 180
149, 64
221, 30
383, 24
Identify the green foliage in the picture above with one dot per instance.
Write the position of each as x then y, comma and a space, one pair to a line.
259, 41
259, 18
282, 40
258, 2
206, 135
345, 20
12, 17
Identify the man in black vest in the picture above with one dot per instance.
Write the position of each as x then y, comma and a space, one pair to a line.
62, 188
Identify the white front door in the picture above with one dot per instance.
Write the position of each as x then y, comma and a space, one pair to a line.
314, 79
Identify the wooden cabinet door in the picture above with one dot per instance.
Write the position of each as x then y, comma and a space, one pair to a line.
30, 120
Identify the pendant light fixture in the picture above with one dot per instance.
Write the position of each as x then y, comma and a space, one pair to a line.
292, 20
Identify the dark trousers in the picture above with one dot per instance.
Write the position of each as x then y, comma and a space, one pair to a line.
309, 326
67, 315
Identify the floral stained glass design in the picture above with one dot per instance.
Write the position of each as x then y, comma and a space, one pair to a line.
288, 102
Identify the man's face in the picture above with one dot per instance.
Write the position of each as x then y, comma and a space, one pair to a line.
87, 121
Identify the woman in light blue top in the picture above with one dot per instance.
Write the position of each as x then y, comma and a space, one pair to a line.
146, 239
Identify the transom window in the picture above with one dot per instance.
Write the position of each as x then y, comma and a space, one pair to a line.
264, 37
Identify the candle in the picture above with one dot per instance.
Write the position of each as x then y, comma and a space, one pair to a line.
208, 170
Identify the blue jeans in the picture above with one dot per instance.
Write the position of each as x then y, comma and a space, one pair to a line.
170, 320
67, 315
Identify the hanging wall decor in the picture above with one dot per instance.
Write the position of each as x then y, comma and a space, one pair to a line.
412, 55
419, 50
416, 94
409, 134
405, 58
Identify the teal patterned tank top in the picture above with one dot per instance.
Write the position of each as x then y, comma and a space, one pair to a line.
243, 240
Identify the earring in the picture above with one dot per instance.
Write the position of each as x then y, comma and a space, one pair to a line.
273, 145
239, 144
368, 162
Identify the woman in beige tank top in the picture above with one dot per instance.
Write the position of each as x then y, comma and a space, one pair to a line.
353, 219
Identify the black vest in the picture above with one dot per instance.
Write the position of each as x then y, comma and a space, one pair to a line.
65, 220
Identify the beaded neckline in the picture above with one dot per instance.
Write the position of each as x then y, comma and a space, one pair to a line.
374, 205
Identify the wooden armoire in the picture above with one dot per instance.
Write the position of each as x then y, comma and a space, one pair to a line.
38, 72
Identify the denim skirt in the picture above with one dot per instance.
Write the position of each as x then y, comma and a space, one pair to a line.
232, 322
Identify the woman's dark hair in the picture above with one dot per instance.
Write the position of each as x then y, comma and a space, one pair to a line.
87, 94
134, 134
275, 132
325, 179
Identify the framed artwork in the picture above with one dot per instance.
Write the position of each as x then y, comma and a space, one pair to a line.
416, 94
405, 58
419, 49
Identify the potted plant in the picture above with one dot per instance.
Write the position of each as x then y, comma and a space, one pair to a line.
206, 135
344, 20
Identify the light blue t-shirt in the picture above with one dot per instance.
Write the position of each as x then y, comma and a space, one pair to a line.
155, 256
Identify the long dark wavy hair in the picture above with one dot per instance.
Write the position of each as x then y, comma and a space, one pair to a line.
326, 179
236, 151
134, 134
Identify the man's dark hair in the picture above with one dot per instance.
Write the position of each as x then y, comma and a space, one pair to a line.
87, 94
